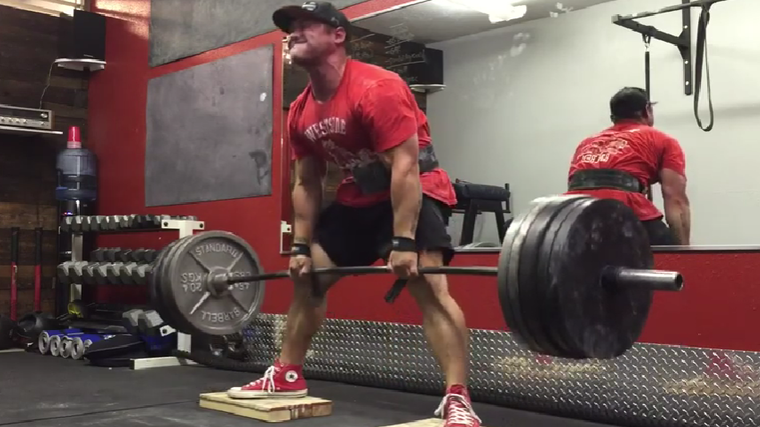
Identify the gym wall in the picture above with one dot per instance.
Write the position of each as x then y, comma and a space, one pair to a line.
29, 43
118, 99
698, 316
522, 98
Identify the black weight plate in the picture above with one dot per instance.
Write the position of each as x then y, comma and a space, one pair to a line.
502, 277
550, 306
198, 307
507, 273
599, 321
533, 295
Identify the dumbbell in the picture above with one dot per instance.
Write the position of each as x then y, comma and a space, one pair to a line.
80, 222
72, 224
130, 320
84, 226
98, 255
43, 340
113, 273
62, 271
95, 273
124, 255
155, 334
140, 274
65, 224
125, 221
98, 223
105, 223
138, 255
149, 323
81, 343
114, 222
185, 217
105, 254
125, 273
149, 256
70, 271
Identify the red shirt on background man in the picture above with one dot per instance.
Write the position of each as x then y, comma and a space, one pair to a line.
635, 148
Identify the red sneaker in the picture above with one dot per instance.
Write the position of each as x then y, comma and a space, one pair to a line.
278, 381
456, 408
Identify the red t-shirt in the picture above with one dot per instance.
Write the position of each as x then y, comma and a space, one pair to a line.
636, 148
373, 110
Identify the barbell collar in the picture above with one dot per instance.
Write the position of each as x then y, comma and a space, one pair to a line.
632, 278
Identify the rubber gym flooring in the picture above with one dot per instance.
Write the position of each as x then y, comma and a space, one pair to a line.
46, 391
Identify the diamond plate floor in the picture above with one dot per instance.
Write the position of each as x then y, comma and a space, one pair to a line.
43, 391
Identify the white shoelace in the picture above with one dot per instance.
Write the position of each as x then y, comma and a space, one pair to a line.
460, 411
268, 380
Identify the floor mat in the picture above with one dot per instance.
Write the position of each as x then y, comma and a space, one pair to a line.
45, 391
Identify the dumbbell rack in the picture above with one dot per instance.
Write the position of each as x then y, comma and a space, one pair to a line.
185, 227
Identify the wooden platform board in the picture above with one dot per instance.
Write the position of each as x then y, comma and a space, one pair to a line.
269, 410
430, 422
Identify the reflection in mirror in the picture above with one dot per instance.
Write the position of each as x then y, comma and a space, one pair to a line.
511, 91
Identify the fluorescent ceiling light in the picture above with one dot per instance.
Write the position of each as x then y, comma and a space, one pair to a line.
497, 10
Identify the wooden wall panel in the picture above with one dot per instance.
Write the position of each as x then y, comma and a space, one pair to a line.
29, 44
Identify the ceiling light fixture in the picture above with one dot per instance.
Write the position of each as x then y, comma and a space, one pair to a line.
497, 10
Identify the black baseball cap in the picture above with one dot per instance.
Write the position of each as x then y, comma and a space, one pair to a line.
322, 11
629, 102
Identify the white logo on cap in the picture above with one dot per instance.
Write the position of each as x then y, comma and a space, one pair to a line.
310, 6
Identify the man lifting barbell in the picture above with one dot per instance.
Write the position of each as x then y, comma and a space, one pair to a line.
574, 274
622, 162
364, 119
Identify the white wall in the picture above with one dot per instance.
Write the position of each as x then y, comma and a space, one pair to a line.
519, 99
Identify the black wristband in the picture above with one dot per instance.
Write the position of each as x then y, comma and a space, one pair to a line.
300, 249
403, 244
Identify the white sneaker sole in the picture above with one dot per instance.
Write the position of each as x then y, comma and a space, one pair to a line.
256, 394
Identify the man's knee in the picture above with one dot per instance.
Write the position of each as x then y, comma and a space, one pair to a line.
430, 287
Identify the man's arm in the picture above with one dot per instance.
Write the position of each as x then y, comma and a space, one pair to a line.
677, 209
307, 188
307, 197
389, 111
406, 189
673, 181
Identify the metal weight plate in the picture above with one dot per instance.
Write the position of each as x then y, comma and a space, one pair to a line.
193, 304
155, 280
549, 305
533, 294
598, 321
507, 273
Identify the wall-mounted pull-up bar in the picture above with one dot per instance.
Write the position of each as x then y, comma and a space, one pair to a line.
692, 76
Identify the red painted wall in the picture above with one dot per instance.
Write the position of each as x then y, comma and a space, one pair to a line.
720, 297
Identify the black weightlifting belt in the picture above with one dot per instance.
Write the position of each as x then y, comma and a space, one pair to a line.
375, 177
590, 179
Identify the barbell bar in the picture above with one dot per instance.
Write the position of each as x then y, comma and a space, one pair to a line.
656, 280
575, 279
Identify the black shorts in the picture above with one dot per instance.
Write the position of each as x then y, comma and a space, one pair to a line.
360, 236
659, 233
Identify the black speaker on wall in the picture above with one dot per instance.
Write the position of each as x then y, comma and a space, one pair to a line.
83, 36
428, 69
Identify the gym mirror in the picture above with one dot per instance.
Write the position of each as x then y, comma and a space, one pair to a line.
511, 88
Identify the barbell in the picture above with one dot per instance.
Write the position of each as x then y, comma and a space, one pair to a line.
575, 279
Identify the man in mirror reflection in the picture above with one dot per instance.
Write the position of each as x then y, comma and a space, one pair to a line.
365, 120
623, 161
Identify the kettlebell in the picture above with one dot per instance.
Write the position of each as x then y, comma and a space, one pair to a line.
31, 325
